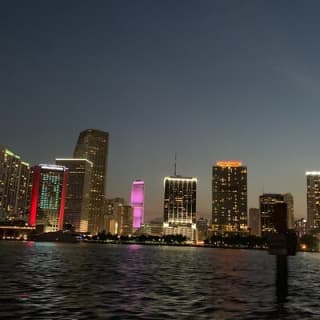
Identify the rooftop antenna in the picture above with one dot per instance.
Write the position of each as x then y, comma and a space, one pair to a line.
175, 164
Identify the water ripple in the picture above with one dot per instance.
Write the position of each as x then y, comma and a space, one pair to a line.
88, 281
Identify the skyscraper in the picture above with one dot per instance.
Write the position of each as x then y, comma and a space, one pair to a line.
76, 210
288, 199
93, 145
14, 185
49, 190
180, 195
313, 201
137, 203
113, 208
268, 203
125, 220
229, 197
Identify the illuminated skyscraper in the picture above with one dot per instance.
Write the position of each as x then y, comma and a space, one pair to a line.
313, 201
76, 210
137, 203
180, 195
49, 190
229, 197
14, 185
93, 146
268, 203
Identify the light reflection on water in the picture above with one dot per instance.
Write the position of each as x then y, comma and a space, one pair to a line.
92, 281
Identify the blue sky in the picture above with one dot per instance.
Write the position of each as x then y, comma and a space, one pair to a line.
209, 80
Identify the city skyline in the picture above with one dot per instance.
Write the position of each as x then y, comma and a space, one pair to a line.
209, 80
206, 215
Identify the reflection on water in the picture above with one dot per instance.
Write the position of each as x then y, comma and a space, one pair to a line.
92, 281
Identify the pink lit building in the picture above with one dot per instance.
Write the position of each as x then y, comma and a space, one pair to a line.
137, 203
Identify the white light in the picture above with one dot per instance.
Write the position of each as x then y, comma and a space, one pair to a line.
181, 179
74, 159
313, 173
52, 167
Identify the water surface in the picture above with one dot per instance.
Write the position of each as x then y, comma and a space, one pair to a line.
96, 281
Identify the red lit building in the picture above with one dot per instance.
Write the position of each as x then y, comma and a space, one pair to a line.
48, 196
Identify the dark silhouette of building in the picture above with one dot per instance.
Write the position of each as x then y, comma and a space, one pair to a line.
268, 202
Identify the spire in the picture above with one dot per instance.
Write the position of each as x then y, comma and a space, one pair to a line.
175, 164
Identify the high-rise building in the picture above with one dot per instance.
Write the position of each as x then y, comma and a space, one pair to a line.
137, 203
93, 145
229, 197
125, 220
76, 211
113, 208
254, 223
313, 201
288, 199
49, 190
300, 227
14, 185
202, 229
268, 202
180, 195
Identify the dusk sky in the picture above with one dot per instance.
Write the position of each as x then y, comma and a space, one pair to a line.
209, 80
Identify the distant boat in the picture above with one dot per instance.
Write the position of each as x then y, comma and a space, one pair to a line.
57, 236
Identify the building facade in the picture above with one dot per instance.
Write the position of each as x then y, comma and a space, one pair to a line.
14, 185
76, 211
300, 227
268, 203
202, 229
254, 222
229, 197
137, 203
112, 213
93, 145
288, 199
49, 189
125, 220
313, 201
180, 195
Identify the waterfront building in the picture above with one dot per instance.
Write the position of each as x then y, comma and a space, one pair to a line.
268, 202
93, 145
137, 203
229, 197
112, 213
301, 227
76, 211
202, 225
153, 228
49, 190
313, 201
125, 220
254, 223
288, 199
14, 185
180, 206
